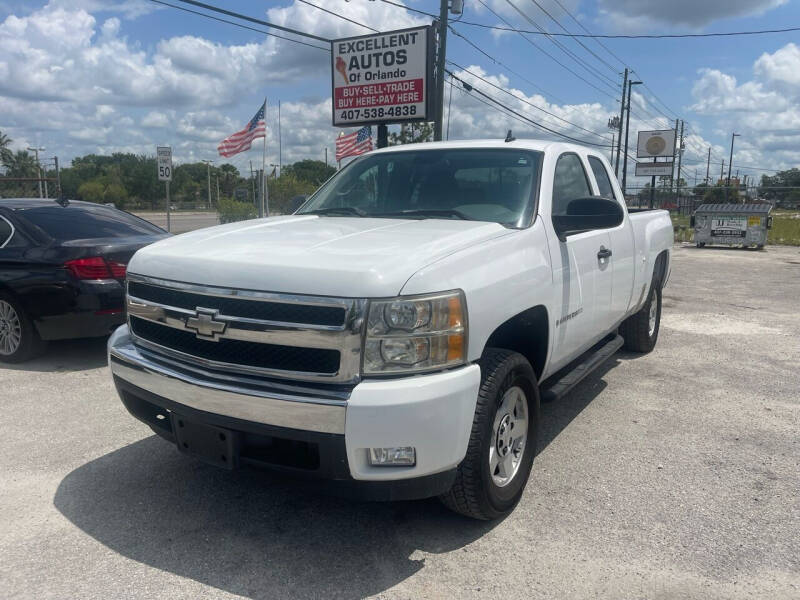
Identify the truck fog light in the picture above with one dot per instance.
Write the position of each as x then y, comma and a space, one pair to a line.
405, 456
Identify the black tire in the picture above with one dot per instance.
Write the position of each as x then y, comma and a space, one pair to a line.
475, 493
30, 344
700, 244
635, 330
759, 246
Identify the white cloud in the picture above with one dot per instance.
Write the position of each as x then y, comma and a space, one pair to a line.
650, 15
783, 66
155, 119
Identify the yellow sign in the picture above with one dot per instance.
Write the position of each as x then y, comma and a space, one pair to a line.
753, 221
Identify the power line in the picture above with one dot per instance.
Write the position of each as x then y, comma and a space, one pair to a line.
213, 18
581, 25
631, 36
414, 10
335, 14
506, 67
254, 20
523, 100
472, 88
543, 51
589, 50
561, 46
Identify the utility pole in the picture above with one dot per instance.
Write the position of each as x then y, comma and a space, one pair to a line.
217, 178
280, 150
36, 151
722, 171
58, 179
708, 165
326, 156
621, 115
680, 156
208, 166
730, 164
612, 147
627, 135
440, 56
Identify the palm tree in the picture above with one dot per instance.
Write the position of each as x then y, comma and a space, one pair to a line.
5, 141
20, 164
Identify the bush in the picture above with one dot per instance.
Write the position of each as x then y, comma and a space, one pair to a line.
230, 210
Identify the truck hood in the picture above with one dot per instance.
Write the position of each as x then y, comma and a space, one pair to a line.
308, 254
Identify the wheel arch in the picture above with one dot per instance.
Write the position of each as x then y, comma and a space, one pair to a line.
526, 332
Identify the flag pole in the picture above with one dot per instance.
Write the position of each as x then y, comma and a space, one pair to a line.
264, 191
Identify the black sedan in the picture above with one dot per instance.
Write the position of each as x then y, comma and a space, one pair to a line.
62, 271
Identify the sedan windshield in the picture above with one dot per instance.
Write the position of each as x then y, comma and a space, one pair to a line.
492, 184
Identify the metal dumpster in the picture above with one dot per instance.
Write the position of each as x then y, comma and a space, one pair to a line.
732, 224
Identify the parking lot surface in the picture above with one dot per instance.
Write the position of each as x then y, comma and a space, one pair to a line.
671, 475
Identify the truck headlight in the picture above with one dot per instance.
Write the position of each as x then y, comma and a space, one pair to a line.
416, 333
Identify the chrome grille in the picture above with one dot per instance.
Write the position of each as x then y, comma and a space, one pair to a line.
305, 338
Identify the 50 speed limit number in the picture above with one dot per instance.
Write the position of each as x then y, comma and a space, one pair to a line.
164, 163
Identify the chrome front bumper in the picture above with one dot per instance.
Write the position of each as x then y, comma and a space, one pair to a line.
232, 397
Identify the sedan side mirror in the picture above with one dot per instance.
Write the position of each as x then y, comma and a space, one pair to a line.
587, 214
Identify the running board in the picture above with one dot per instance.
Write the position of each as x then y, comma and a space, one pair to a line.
567, 378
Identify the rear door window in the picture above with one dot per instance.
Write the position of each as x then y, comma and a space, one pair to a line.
602, 178
86, 222
569, 183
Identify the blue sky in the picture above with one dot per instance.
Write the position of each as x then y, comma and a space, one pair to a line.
81, 76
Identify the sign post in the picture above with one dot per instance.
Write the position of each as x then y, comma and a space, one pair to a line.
383, 78
652, 144
164, 166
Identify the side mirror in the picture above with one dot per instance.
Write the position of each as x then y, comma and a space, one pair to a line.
296, 203
587, 214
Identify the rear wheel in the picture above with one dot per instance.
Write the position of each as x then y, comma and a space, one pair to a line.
700, 244
493, 474
19, 340
640, 331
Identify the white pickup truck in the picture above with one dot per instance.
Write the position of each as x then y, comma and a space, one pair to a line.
394, 336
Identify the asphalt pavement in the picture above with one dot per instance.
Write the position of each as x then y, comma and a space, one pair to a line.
670, 475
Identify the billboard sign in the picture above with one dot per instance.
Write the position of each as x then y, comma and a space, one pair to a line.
655, 143
654, 169
383, 77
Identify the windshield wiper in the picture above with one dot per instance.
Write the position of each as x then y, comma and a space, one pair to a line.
425, 212
347, 210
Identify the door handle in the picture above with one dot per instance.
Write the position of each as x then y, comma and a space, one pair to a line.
603, 253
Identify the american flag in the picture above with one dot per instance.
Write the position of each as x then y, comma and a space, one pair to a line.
355, 143
242, 140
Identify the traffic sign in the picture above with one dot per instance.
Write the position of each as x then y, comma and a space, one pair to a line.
164, 163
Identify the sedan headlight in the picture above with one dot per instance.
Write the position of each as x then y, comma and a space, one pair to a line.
416, 333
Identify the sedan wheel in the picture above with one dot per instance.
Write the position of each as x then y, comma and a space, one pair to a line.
10, 329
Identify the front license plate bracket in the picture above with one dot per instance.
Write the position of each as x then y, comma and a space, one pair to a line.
211, 444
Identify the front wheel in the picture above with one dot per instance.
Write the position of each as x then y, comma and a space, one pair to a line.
493, 474
19, 340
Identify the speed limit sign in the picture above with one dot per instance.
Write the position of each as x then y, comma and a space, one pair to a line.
164, 163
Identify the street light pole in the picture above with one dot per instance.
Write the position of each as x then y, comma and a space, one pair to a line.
208, 169
627, 132
38, 166
730, 164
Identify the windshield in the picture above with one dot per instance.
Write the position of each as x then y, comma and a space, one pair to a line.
492, 184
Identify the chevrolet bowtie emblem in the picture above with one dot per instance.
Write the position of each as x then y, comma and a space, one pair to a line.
204, 324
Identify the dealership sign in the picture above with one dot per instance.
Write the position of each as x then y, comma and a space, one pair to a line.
655, 143
654, 169
382, 78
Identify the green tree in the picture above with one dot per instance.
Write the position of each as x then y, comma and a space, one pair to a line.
5, 142
282, 189
91, 191
412, 133
315, 172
